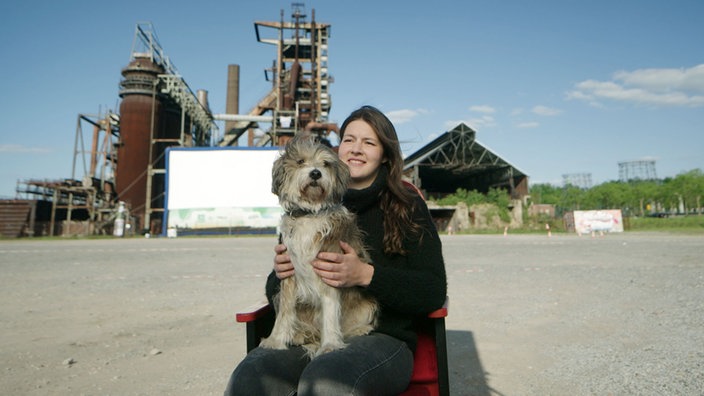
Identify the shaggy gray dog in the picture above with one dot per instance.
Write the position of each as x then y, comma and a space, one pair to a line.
310, 180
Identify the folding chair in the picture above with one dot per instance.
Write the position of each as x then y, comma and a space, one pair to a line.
430, 370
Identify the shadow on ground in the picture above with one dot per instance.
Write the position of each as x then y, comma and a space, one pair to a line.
467, 375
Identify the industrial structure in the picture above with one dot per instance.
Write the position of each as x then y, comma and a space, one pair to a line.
637, 170
118, 181
579, 180
74, 206
124, 161
456, 160
299, 98
158, 110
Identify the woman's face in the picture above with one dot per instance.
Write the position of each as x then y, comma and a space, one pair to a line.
363, 153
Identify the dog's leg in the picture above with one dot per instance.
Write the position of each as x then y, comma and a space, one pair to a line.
284, 326
359, 315
331, 331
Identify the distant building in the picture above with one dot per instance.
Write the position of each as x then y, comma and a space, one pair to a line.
536, 210
456, 160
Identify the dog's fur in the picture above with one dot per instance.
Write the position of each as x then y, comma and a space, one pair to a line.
310, 181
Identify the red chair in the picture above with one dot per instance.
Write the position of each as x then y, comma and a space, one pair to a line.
430, 370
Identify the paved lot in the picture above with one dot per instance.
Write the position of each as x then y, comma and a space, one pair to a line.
529, 315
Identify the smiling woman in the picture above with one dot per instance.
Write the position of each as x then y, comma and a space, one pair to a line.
406, 276
361, 150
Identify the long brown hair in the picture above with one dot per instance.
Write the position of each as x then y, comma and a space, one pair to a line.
396, 199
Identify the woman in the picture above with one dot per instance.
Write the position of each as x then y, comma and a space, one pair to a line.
407, 278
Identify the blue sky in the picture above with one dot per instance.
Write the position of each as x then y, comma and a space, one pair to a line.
554, 87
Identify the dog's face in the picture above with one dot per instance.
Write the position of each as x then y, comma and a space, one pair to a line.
309, 176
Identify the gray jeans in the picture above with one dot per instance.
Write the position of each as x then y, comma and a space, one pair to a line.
375, 364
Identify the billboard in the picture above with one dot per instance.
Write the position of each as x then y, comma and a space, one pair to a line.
598, 221
220, 190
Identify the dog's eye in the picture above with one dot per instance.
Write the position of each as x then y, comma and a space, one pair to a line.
326, 164
300, 162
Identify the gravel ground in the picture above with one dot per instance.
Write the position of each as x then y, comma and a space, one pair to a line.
529, 315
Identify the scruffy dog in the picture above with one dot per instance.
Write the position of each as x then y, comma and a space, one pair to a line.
310, 181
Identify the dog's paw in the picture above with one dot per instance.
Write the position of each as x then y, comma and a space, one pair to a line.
271, 343
358, 331
329, 347
298, 339
311, 349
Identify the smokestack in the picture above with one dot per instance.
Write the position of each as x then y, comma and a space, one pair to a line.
203, 99
232, 104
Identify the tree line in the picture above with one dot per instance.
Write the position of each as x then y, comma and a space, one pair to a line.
681, 194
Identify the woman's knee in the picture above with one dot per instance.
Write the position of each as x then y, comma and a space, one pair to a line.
267, 371
375, 365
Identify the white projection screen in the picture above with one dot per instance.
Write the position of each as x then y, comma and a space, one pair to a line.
220, 191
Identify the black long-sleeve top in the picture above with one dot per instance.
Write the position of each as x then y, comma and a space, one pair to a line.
406, 286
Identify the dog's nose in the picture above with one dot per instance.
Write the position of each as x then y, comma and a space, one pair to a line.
315, 174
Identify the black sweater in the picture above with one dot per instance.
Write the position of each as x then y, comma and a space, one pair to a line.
408, 286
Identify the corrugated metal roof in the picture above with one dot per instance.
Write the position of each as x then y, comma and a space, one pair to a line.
456, 160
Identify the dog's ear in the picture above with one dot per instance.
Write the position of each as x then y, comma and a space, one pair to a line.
277, 174
343, 178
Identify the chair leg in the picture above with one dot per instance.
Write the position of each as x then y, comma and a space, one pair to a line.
441, 346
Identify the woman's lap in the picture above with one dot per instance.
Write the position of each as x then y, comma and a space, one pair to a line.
374, 364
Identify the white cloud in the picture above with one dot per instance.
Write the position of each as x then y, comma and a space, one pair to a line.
485, 121
656, 87
482, 109
16, 148
404, 115
665, 80
545, 111
531, 124
449, 124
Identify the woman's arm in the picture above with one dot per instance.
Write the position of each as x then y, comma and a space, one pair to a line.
283, 268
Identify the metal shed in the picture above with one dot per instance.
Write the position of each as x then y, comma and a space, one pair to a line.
456, 160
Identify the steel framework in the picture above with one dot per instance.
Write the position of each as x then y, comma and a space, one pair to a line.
637, 170
580, 180
456, 160
146, 44
87, 196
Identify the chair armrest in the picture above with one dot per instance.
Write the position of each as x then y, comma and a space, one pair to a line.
442, 311
259, 319
253, 312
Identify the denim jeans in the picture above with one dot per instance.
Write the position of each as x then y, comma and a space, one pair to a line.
375, 364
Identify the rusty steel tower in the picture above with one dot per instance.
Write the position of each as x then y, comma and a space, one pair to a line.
158, 110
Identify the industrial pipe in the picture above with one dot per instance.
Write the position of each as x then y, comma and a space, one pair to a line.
243, 117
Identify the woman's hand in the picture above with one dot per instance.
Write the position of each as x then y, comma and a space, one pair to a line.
283, 267
343, 269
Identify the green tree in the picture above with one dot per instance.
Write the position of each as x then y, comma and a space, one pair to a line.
501, 199
645, 196
571, 199
610, 195
636, 197
688, 188
545, 193
461, 195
